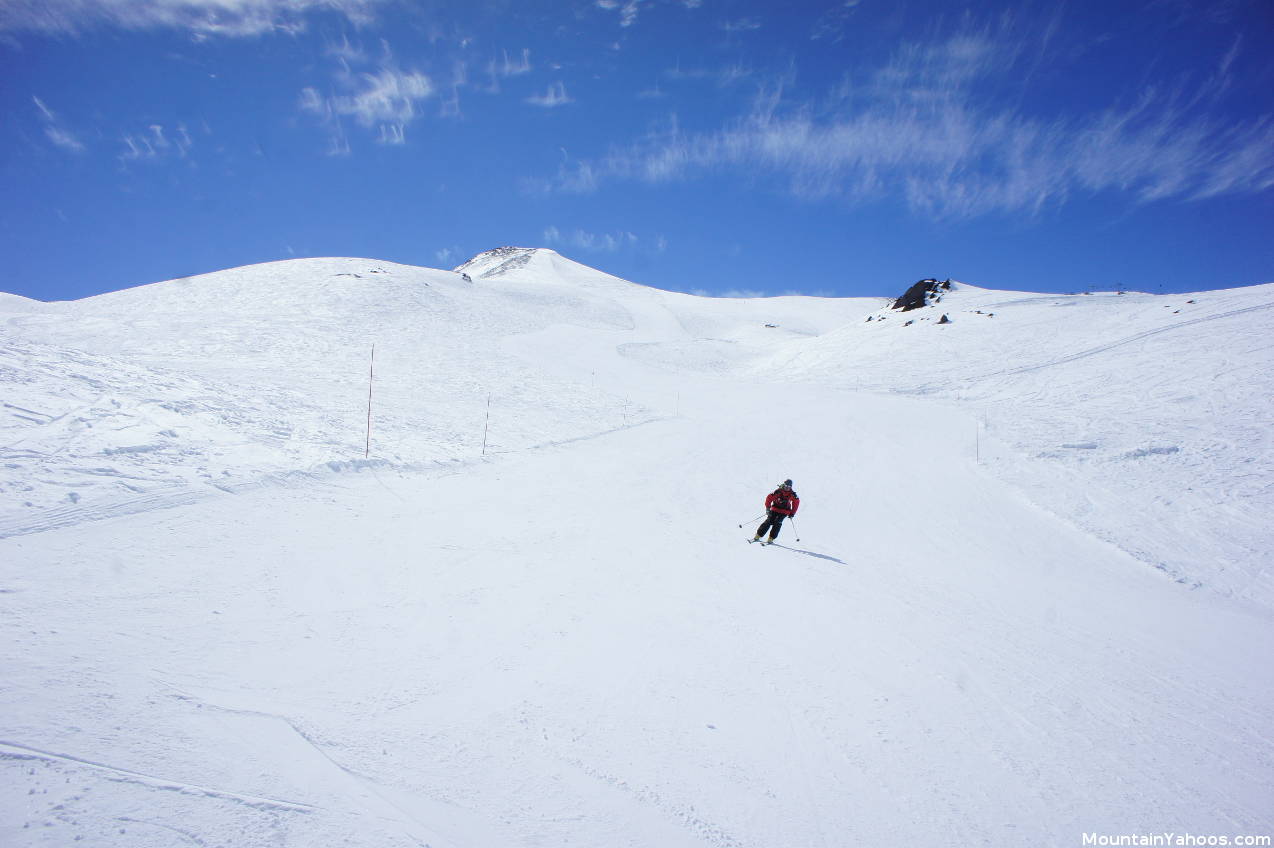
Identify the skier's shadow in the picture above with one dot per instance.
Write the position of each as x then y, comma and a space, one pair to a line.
809, 553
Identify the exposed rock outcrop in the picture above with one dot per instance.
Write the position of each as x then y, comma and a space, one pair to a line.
923, 293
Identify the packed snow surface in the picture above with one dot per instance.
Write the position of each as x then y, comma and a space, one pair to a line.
1027, 599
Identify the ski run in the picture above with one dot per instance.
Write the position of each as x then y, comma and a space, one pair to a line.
1032, 603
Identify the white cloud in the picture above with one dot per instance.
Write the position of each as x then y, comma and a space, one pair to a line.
204, 18
347, 52
386, 101
507, 66
312, 101
516, 66
64, 139
379, 96
555, 96
722, 76
576, 178
389, 96
832, 23
44, 110
732, 293
741, 25
919, 130
338, 143
591, 242
55, 131
628, 10
155, 143
392, 134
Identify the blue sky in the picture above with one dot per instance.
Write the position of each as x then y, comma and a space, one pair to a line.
716, 146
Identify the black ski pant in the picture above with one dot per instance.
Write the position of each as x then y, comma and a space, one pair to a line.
772, 522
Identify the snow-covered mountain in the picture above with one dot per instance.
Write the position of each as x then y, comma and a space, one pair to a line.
165, 392
1027, 598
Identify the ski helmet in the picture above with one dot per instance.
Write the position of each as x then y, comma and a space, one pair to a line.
787, 484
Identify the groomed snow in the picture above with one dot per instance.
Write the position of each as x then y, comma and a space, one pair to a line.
1030, 599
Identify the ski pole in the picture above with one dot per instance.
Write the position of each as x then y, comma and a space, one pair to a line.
795, 532
750, 520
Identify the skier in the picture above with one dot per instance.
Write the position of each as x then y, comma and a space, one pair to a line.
779, 504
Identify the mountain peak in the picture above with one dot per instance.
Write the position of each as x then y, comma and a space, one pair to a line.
501, 260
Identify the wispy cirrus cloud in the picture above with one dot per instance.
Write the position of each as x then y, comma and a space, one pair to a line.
156, 143
573, 177
507, 66
153, 143
741, 25
55, 131
204, 18
594, 242
370, 90
628, 10
723, 76
555, 96
920, 129
832, 23
744, 294
384, 99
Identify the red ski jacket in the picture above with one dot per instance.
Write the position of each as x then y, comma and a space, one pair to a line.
782, 500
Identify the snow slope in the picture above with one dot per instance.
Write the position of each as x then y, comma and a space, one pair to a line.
565, 641
167, 392
1145, 419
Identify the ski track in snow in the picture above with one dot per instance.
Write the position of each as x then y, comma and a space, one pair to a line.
241, 632
12, 751
1180, 325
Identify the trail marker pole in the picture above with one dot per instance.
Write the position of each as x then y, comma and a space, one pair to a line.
487, 426
371, 372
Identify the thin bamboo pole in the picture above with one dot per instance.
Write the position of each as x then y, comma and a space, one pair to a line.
371, 371
487, 426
